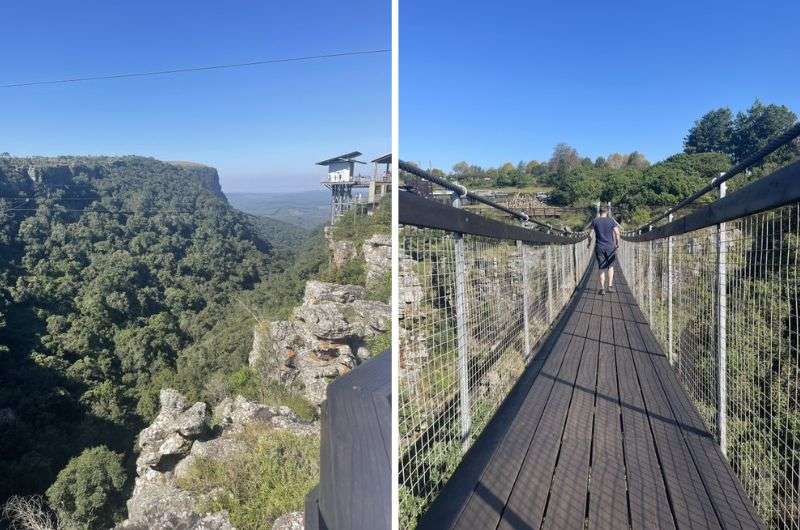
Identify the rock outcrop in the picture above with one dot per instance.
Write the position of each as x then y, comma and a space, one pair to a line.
180, 435
325, 338
341, 251
290, 521
377, 252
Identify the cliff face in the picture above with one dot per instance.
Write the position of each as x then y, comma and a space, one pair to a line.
327, 336
51, 172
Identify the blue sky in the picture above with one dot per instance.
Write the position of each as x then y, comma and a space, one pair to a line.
490, 82
263, 127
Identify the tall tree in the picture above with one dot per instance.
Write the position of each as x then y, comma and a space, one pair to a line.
565, 158
755, 127
637, 160
711, 133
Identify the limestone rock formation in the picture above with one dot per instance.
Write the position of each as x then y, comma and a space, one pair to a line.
341, 251
181, 434
290, 521
325, 338
377, 252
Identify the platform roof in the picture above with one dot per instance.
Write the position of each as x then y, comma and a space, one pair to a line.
348, 157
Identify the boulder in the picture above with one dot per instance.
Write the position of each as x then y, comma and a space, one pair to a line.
171, 434
290, 521
180, 521
317, 292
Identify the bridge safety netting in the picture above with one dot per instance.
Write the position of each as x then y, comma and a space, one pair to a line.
724, 302
472, 309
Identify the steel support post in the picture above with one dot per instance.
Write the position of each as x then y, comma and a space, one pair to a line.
670, 350
550, 314
575, 264
650, 281
722, 302
525, 299
461, 334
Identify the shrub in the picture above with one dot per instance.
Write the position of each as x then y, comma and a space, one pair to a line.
268, 479
89, 491
29, 513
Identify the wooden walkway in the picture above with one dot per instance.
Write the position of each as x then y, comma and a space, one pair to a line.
598, 433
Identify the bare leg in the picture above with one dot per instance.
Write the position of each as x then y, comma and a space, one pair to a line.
611, 276
602, 279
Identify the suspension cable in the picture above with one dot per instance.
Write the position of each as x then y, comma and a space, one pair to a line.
464, 192
772, 146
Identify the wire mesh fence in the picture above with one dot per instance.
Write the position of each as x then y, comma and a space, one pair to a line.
747, 272
471, 312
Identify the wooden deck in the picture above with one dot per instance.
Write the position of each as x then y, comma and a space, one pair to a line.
598, 433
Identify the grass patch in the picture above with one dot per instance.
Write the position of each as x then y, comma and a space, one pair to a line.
380, 289
270, 478
379, 343
248, 384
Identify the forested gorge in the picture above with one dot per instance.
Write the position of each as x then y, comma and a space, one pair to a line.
120, 276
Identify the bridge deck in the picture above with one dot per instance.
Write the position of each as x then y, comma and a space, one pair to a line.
598, 433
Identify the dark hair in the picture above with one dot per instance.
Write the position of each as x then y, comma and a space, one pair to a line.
604, 209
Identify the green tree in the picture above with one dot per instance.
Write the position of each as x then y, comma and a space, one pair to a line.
711, 133
88, 490
755, 127
564, 159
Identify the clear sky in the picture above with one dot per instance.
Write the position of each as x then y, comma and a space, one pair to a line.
263, 127
490, 82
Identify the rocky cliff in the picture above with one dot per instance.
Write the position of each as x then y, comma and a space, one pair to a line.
182, 434
326, 337
63, 171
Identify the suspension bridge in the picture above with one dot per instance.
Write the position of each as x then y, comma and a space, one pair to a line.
528, 400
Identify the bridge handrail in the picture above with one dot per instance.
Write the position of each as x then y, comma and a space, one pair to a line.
354, 489
772, 146
426, 213
464, 192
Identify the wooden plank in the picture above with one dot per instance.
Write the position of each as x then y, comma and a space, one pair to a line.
484, 506
526, 504
608, 499
649, 503
690, 501
732, 504
567, 503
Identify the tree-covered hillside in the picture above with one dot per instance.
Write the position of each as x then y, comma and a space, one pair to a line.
636, 187
118, 276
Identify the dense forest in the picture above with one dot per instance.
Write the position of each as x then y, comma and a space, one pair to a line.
120, 276
634, 185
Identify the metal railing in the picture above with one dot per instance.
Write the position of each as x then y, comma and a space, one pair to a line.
721, 290
476, 295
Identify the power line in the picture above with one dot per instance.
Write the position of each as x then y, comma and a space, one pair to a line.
195, 69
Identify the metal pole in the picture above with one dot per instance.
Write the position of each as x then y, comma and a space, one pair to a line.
575, 265
722, 302
650, 281
461, 332
525, 298
670, 350
550, 283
